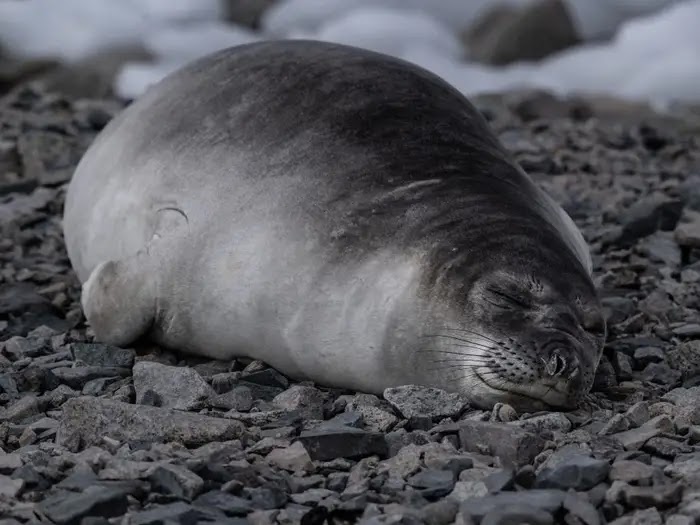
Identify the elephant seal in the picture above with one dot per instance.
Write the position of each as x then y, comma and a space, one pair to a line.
344, 216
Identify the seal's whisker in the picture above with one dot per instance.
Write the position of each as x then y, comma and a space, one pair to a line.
449, 352
492, 373
468, 359
461, 366
475, 343
462, 369
489, 348
472, 332
452, 368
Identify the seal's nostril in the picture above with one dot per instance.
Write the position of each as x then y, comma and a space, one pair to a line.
555, 365
574, 372
558, 365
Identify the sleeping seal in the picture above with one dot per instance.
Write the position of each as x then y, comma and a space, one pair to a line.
344, 216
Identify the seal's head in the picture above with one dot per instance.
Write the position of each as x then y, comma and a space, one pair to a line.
527, 339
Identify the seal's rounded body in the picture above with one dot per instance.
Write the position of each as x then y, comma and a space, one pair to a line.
345, 216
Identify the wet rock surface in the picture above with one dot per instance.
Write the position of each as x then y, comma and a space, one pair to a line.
96, 434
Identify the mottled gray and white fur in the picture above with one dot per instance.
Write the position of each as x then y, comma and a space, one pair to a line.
342, 215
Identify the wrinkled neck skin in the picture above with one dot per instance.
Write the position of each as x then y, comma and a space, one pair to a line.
509, 315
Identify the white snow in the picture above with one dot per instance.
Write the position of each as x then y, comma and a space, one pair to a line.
182, 44
67, 30
289, 16
656, 57
175, 10
175, 46
391, 31
73, 29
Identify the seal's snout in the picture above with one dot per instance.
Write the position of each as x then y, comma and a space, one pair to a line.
561, 365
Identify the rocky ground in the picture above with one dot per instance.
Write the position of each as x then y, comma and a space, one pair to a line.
91, 434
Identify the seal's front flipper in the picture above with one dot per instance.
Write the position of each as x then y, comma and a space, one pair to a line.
118, 300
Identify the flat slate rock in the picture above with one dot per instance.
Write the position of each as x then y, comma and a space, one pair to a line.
178, 387
346, 443
513, 445
542, 499
419, 401
70, 509
97, 354
86, 420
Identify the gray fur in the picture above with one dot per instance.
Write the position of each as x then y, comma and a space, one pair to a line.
334, 212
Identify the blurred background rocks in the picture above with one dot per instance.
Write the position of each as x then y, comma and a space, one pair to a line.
643, 52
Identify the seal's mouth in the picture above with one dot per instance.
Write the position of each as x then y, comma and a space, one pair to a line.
536, 396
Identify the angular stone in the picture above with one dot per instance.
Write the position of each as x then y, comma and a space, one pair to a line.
452, 462
433, 483
177, 387
346, 443
464, 490
648, 354
441, 512
499, 481
8, 385
406, 462
36, 379
515, 446
267, 498
21, 409
503, 413
661, 374
660, 497
209, 369
18, 298
375, 418
687, 470
306, 400
78, 376
97, 354
520, 513
10, 488
643, 517
542, 499
617, 423
9, 462
173, 513
683, 396
688, 330
240, 398
176, 480
634, 439
419, 401
20, 347
578, 472
632, 471
311, 496
268, 377
85, 421
555, 422
71, 508
294, 458
638, 414
679, 519
341, 422
581, 508
227, 503
666, 447
648, 215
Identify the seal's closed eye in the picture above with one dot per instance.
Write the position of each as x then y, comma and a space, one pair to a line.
506, 298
